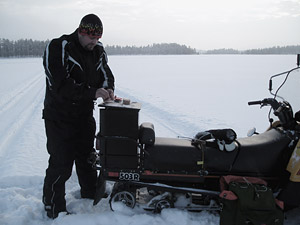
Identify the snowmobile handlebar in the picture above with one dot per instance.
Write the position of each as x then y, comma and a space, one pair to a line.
265, 102
282, 110
254, 103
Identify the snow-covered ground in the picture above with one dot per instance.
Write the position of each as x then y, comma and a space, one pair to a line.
180, 95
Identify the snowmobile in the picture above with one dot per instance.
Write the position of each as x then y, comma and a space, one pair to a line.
157, 172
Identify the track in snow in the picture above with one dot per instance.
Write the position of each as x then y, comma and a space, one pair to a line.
21, 126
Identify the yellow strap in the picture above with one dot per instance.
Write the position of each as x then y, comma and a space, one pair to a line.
294, 164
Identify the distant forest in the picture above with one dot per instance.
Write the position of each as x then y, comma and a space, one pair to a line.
22, 48
286, 50
31, 48
155, 49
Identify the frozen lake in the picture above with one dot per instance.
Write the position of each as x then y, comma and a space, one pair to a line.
185, 94
180, 95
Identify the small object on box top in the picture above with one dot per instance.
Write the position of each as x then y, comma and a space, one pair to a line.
126, 101
128, 104
118, 99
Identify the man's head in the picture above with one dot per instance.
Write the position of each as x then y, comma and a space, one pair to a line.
89, 31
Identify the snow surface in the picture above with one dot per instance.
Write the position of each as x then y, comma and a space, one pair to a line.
180, 95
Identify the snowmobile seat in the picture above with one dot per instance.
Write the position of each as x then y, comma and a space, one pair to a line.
262, 154
172, 155
218, 161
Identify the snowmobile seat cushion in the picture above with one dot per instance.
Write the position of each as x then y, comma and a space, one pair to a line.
172, 155
147, 134
264, 152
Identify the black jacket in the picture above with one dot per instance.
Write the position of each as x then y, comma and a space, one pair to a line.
73, 75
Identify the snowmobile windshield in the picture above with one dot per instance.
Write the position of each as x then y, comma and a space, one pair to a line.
286, 87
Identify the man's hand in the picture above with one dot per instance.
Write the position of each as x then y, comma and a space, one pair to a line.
102, 93
105, 94
111, 94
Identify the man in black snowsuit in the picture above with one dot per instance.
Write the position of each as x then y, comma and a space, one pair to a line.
76, 75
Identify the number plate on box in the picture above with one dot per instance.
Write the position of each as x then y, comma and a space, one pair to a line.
129, 176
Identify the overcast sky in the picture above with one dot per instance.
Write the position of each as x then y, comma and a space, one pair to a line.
200, 24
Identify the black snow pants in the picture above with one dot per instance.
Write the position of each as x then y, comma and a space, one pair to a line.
68, 142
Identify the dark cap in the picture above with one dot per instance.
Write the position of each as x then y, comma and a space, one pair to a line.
91, 25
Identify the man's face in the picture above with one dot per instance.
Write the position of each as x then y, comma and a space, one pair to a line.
88, 42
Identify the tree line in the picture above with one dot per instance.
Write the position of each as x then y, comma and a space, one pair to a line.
154, 49
22, 48
30, 48
276, 50
33, 48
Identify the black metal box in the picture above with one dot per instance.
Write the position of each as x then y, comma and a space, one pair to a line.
118, 146
118, 120
119, 162
118, 153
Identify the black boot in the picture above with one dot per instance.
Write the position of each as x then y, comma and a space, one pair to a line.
52, 213
53, 210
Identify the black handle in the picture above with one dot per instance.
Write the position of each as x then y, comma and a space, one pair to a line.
255, 103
